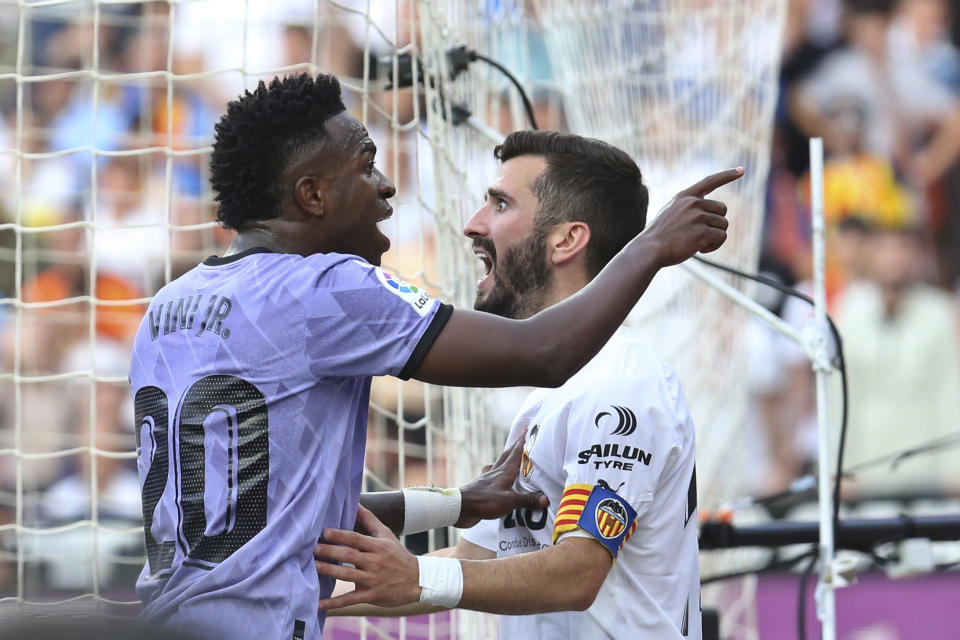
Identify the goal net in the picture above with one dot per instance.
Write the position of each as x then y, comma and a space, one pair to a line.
106, 120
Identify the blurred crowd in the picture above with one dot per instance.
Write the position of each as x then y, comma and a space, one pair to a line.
879, 80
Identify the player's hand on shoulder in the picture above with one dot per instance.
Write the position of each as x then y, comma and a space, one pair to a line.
492, 495
383, 572
690, 223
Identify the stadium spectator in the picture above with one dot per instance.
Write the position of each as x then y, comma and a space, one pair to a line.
296, 317
860, 187
901, 107
613, 447
920, 35
903, 361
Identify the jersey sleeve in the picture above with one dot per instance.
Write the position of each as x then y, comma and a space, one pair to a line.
364, 321
483, 534
621, 437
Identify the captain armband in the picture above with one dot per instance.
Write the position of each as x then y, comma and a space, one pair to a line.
598, 511
426, 508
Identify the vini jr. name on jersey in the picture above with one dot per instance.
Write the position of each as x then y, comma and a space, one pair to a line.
181, 314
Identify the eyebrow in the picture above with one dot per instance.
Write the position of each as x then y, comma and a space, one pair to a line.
368, 147
493, 192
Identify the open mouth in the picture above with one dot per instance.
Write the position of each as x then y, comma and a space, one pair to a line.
383, 239
486, 263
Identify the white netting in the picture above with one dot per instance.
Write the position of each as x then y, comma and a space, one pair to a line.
688, 87
106, 117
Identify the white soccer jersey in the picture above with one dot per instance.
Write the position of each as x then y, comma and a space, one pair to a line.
613, 449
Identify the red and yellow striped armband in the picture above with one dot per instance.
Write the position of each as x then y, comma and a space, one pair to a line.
600, 512
571, 506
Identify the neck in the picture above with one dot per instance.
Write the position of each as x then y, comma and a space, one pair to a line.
563, 284
281, 236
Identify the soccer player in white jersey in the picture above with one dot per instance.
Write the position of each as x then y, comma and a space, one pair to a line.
251, 372
615, 554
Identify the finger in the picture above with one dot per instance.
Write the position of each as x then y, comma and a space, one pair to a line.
713, 240
716, 221
714, 206
338, 571
515, 455
533, 500
507, 452
349, 538
345, 600
376, 528
485, 468
711, 182
337, 553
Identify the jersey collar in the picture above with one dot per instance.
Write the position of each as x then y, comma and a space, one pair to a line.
216, 261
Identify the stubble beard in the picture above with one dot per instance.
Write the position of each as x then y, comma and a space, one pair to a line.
520, 278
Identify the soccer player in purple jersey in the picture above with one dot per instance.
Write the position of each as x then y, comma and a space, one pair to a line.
251, 372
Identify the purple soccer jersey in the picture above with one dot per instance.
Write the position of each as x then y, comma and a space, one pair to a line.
251, 380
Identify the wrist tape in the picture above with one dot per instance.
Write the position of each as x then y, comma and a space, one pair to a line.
426, 508
441, 581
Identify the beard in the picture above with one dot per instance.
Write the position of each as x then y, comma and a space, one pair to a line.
520, 278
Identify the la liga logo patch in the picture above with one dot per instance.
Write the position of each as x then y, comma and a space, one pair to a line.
398, 284
411, 294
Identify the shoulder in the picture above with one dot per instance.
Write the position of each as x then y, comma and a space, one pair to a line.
326, 270
625, 364
329, 264
342, 268
628, 379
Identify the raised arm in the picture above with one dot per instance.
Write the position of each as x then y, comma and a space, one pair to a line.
478, 349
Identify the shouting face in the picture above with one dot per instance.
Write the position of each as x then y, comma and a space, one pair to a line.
508, 243
351, 191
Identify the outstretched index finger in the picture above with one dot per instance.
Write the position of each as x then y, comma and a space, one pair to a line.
713, 181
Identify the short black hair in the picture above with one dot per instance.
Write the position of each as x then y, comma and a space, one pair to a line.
586, 180
259, 136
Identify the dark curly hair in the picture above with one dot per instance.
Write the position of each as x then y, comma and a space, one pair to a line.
259, 136
586, 180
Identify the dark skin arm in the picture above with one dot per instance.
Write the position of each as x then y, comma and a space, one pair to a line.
490, 495
483, 350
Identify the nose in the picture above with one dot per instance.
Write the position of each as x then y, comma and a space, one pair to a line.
387, 189
477, 225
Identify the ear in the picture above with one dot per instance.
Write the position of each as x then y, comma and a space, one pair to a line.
308, 193
567, 241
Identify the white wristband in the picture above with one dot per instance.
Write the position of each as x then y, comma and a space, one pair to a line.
426, 508
441, 581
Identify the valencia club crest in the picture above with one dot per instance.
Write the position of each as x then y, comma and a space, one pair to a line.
526, 464
611, 518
